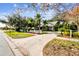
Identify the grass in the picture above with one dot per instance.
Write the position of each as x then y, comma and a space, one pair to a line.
17, 35
59, 47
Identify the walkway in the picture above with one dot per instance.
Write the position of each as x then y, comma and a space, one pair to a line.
4, 47
34, 45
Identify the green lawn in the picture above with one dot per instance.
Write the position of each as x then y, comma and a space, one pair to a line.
17, 35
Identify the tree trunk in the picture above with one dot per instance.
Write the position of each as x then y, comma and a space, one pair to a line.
27, 29
39, 29
18, 29
78, 28
34, 29
70, 33
61, 33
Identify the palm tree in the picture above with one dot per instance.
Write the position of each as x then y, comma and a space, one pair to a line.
38, 21
45, 22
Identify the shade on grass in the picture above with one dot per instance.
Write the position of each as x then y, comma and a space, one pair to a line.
17, 35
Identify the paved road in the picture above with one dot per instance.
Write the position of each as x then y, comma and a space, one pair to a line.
4, 48
34, 45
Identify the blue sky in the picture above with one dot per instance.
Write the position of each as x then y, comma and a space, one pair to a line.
8, 8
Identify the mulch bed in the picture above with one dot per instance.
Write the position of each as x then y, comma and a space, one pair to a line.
58, 47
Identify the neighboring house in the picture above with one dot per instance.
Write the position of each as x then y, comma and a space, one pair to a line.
51, 25
2, 25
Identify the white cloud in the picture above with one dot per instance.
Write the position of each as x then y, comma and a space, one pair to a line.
3, 15
3, 18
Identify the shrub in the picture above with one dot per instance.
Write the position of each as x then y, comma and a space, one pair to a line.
76, 34
66, 33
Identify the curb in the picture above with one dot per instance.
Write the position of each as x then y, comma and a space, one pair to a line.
12, 46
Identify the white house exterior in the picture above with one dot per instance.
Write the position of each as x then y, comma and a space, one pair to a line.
2, 25
51, 24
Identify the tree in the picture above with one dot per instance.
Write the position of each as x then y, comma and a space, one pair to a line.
56, 26
16, 21
38, 21
73, 16
73, 27
30, 23
45, 27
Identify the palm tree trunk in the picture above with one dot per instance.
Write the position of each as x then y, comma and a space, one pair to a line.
34, 29
39, 29
27, 29
78, 28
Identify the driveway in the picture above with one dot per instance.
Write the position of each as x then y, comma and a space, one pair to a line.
34, 45
4, 47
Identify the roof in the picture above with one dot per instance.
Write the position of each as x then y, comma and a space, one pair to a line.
52, 23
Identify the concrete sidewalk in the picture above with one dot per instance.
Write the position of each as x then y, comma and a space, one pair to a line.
10, 48
34, 45
4, 47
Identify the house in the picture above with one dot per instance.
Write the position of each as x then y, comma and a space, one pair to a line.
51, 25
2, 25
